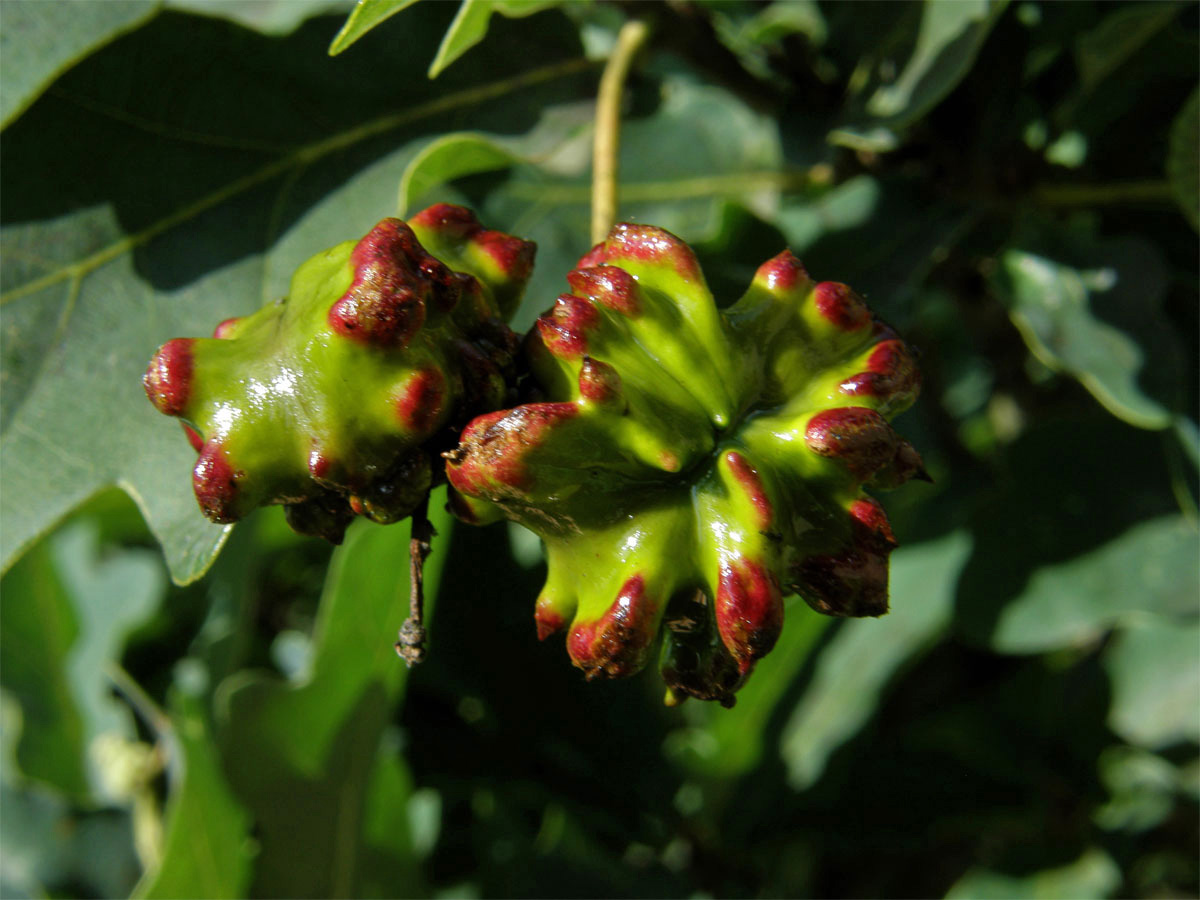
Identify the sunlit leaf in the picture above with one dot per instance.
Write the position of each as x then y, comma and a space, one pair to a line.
365, 16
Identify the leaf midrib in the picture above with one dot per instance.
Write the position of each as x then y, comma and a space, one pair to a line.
302, 156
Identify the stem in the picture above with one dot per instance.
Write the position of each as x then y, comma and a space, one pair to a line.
411, 646
608, 127
1102, 194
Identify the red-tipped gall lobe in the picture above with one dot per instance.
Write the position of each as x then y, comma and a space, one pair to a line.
168, 380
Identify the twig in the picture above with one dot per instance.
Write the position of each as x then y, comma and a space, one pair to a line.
608, 127
411, 646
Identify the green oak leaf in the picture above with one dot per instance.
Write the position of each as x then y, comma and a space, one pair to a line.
302, 754
1154, 665
366, 15
1074, 602
41, 39
1052, 305
948, 40
207, 847
203, 211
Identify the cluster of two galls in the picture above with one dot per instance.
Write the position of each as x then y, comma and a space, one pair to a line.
686, 465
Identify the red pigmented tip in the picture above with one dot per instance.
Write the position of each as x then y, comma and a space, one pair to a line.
616, 644
782, 273
422, 401
749, 611
225, 330
840, 305
859, 437
599, 382
609, 286
646, 244
319, 465
513, 256
853, 582
565, 327
891, 372
455, 221
168, 380
193, 437
393, 279
548, 620
872, 525
747, 476
215, 483
490, 457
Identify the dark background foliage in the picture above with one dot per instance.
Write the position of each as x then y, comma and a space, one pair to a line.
1013, 186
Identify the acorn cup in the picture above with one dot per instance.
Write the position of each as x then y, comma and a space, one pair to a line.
337, 400
694, 465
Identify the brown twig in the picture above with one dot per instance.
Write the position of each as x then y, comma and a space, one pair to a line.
411, 645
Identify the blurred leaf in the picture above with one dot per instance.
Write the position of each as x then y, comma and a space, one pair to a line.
1103, 50
50, 848
274, 17
1092, 875
857, 664
66, 613
1183, 159
678, 165
1154, 664
177, 226
951, 33
41, 39
471, 24
1050, 304
1141, 786
1150, 568
301, 755
365, 16
207, 847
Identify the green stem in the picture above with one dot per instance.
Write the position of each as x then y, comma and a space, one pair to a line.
1061, 195
608, 127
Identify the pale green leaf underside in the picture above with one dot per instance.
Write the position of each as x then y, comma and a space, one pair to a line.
40, 39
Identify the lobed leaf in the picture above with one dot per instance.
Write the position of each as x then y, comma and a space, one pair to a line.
199, 210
